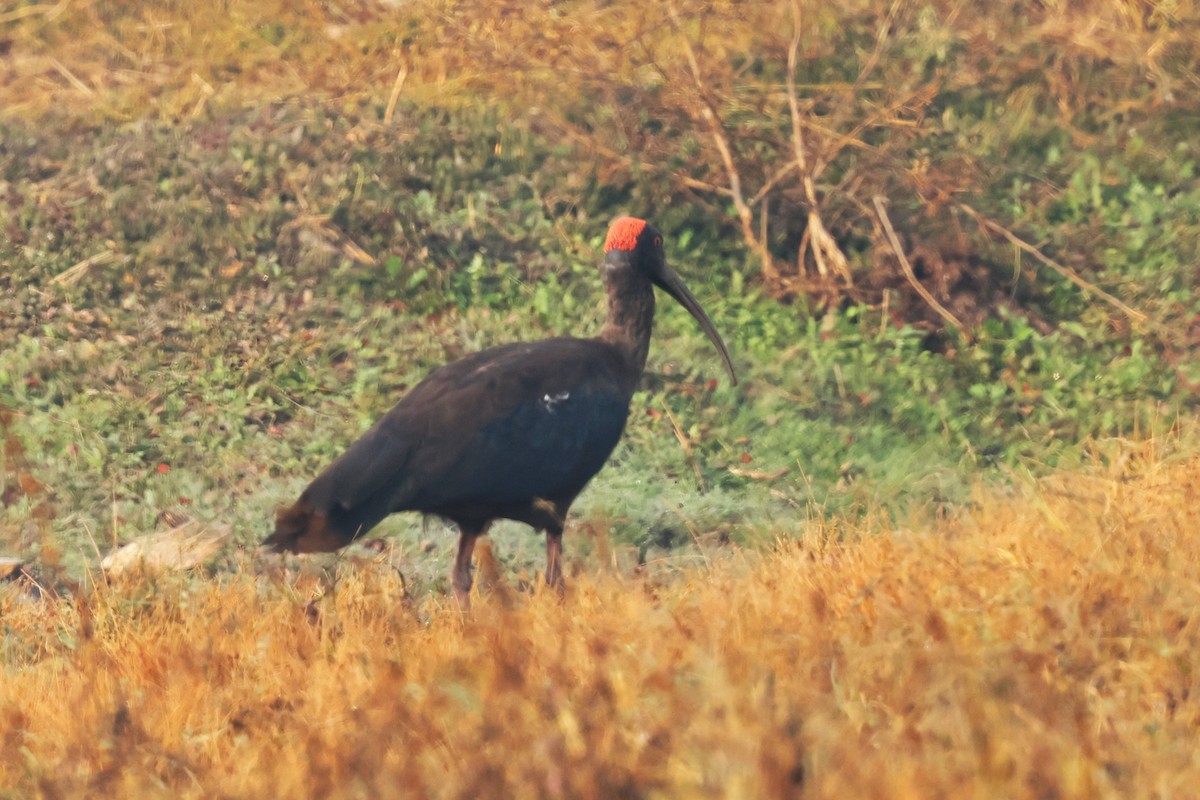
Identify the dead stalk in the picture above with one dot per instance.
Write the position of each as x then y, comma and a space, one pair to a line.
74, 274
1066, 272
881, 210
397, 86
825, 250
713, 120
71, 78
687, 447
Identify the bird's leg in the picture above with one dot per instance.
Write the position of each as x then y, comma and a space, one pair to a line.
460, 575
548, 515
554, 558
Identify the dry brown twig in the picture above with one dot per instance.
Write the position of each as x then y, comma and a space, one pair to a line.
894, 241
397, 86
758, 474
825, 250
881, 36
573, 132
709, 113
50, 12
71, 77
1066, 272
686, 445
72, 275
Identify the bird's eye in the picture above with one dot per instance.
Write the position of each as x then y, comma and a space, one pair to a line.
658, 241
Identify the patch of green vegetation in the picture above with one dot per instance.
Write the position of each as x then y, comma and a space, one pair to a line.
269, 282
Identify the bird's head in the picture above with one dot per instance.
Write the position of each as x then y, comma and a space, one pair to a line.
635, 246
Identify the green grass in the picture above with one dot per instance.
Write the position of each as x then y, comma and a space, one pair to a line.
236, 340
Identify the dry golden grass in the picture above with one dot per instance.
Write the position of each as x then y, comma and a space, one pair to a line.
686, 100
125, 61
1046, 646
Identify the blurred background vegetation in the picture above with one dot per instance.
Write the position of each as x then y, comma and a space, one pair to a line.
946, 242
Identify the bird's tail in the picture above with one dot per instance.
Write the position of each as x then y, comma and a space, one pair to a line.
301, 528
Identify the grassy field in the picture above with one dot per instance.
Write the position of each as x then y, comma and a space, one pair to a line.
1043, 645
940, 541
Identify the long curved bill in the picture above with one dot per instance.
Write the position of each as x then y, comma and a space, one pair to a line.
673, 285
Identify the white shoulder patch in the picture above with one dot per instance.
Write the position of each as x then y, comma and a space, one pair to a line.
550, 401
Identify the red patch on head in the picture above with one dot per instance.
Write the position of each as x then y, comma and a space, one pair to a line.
623, 233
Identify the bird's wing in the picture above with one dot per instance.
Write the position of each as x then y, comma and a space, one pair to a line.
521, 422
511, 423
546, 446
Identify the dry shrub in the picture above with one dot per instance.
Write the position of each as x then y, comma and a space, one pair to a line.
789, 118
125, 61
782, 119
1045, 646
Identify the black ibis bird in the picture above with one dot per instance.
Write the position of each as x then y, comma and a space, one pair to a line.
513, 432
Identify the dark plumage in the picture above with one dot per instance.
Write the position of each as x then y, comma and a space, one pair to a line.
513, 432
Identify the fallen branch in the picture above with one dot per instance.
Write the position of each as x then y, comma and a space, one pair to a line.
1065, 271
881, 210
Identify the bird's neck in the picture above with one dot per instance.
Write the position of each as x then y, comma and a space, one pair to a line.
630, 319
